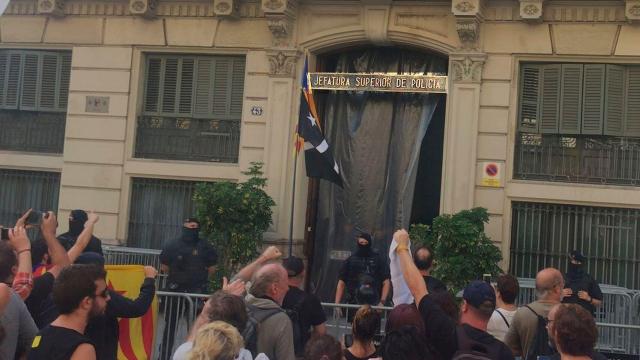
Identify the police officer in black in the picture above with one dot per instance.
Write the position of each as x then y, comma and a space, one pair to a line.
579, 286
189, 261
364, 275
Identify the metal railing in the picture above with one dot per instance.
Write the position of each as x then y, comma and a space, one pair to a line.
175, 138
579, 159
544, 234
32, 131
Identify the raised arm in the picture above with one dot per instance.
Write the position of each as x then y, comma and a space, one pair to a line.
57, 253
23, 280
410, 272
84, 237
271, 253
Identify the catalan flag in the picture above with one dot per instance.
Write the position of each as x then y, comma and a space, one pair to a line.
318, 157
136, 335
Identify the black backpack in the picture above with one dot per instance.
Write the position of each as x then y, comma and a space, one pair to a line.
296, 325
540, 344
469, 349
250, 333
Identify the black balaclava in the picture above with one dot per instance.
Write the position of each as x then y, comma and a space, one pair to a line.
576, 270
364, 250
76, 222
189, 235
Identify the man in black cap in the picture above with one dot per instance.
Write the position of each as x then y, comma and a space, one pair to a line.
365, 275
305, 310
77, 219
579, 286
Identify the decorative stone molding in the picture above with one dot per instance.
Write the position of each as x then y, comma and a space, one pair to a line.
51, 7
280, 16
467, 68
632, 10
531, 10
144, 8
226, 8
282, 62
469, 14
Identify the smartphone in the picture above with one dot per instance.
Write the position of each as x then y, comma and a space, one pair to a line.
487, 278
4, 234
35, 218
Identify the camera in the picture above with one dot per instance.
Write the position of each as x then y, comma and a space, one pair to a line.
4, 234
35, 217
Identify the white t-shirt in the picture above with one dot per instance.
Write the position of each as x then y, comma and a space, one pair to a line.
497, 326
183, 350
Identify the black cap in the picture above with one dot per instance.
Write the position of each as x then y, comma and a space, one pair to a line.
192, 219
90, 258
365, 235
577, 256
79, 215
477, 292
294, 265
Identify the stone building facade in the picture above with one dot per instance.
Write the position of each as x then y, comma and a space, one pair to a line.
112, 45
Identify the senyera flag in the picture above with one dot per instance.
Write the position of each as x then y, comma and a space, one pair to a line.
136, 335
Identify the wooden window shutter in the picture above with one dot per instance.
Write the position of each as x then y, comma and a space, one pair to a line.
614, 100
169, 85
632, 106
529, 117
593, 99
152, 86
185, 86
65, 74
237, 87
222, 87
12, 84
571, 99
30, 79
204, 87
49, 82
550, 104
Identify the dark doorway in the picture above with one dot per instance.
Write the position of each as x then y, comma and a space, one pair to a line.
389, 149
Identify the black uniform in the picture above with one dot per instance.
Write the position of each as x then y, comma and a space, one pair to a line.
579, 280
188, 259
365, 268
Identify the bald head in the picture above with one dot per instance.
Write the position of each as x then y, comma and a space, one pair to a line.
270, 280
549, 284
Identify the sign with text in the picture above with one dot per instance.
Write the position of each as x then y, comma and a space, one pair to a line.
427, 83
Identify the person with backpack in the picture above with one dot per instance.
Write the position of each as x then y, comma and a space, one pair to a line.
527, 336
466, 340
507, 289
269, 329
306, 313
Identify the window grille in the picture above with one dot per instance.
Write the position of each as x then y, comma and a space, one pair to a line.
21, 190
192, 106
542, 235
157, 210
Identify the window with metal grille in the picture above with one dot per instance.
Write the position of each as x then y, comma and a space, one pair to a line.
192, 106
21, 190
157, 210
34, 90
542, 235
579, 123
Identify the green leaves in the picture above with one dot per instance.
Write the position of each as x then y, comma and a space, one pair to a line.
462, 250
234, 216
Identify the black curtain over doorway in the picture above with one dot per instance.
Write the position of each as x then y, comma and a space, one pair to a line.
377, 140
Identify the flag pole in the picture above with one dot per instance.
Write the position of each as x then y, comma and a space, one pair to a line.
293, 197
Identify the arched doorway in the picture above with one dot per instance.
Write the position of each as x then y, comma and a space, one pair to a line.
389, 147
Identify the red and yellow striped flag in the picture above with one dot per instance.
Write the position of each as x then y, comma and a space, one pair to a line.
136, 335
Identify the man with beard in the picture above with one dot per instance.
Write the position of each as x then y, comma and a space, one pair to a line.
365, 275
77, 220
80, 293
580, 287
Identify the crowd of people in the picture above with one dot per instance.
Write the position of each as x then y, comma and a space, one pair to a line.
55, 304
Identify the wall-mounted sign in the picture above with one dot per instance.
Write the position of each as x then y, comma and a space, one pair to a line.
97, 104
428, 83
491, 174
256, 110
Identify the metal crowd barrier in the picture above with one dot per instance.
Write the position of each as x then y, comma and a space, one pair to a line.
176, 314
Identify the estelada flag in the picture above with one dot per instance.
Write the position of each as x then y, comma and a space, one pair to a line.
137, 334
